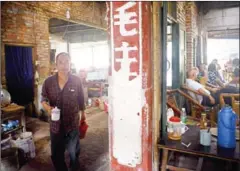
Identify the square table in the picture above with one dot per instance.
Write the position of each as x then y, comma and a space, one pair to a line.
193, 136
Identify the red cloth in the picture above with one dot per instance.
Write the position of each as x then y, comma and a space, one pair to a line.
83, 129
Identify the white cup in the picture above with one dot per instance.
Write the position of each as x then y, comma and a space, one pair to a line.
184, 128
55, 115
205, 137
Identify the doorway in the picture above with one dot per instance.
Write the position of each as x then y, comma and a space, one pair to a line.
19, 74
173, 62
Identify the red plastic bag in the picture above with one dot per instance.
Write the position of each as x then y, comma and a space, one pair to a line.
83, 129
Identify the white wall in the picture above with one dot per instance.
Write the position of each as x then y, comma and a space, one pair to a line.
221, 19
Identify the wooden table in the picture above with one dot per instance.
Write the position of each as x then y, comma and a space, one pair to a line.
193, 136
13, 112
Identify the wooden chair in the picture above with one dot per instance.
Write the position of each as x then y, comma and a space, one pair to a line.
197, 109
171, 100
203, 81
172, 103
235, 101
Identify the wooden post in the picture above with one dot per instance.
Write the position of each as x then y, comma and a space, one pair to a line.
156, 80
164, 69
164, 160
175, 57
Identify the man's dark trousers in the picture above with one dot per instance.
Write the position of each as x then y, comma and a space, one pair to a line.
60, 142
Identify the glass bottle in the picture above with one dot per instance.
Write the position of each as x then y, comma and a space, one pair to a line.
203, 121
183, 115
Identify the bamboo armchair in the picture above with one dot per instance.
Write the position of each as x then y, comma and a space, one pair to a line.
196, 109
171, 103
235, 101
171, 100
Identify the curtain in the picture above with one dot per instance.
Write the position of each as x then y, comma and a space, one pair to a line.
19, 74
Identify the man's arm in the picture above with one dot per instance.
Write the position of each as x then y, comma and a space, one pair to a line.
212, 89
44, 99
219, 82
202, 92
81, 96
81, 102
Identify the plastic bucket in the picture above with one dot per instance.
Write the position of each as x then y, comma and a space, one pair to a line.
26, 135
9, 159
26, 143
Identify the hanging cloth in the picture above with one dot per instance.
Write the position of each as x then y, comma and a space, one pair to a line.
19, 74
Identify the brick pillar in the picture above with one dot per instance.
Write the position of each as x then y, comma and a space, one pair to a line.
192, 32
130, 86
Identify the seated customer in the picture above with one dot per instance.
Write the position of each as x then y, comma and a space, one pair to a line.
202, 70
202, 75
213, 76
204, 97
235, 81
232, 87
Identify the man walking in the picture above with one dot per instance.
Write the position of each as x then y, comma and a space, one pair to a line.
64, 91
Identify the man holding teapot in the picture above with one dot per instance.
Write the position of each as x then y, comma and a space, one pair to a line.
63, 99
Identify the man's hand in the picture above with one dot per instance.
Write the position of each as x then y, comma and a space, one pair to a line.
212, 100
214, 90
83, 117
47, 107
49, 110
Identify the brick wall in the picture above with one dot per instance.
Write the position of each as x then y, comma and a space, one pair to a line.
181, 13
191, 31
27, 23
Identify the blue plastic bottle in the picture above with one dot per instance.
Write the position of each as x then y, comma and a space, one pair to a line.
226, 127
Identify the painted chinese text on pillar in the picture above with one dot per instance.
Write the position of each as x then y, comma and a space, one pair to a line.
129, 86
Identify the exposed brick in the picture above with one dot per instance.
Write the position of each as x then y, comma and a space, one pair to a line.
181, 13
28, 23
191, 30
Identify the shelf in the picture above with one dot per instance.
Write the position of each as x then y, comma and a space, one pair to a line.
10, 131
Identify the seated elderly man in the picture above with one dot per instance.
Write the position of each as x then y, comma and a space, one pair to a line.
207, 95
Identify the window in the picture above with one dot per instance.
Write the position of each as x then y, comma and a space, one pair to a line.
86, 55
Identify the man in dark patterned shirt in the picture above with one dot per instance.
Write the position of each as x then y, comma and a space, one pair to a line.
64, 91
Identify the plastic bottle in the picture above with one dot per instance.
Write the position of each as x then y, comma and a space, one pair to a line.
183, 115
170, 114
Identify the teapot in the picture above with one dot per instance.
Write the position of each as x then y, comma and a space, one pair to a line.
176, 128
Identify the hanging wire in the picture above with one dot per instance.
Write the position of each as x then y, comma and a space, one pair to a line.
66, 27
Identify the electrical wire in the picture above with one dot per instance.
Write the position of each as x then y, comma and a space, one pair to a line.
65, 31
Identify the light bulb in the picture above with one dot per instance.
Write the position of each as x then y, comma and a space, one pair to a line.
68, 14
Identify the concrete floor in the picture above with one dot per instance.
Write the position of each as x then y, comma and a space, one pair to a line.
94, 148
